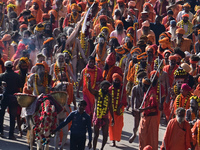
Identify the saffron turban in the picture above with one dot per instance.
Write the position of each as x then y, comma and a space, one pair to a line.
117, 22
185, 15
117, 76
48, 40
186, 87
103, 17
172, 57
131, 4
36, 1
148, 147
39, 64
149, 5
180, 31
154, 72
130, 28
145, 24
142, 56
150, 47
23, 26
110, 60
75, 7
136, 50
150, 38
186, 5
6, 37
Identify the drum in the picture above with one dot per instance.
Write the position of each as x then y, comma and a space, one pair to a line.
25, 100
60, 96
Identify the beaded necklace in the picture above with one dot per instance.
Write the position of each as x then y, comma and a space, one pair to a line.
45, 83
175, 89
157, 92
73, 19
136, 70
115, 105
102, 106
178, 100
95, 77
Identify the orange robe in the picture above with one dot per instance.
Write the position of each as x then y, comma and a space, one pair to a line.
177, 136
97, 29
108, 74
116, 130
171, 76
195, 135
131, 72
37, 14
148, 130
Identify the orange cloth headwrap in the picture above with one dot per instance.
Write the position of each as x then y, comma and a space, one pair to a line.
6, 37
117, 76
180, 31
118, 22
54, 12
137, 50
185, 15
37, 1
142, 56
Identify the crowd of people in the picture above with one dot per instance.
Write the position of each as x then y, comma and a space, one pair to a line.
124, 55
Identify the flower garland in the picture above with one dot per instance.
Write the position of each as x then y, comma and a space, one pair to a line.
121, 61
157, 92
95, 77
136, 70
45, 83
57, 70
102, 106
189, 26
175, 89
115, 104
178, 100
45, 121
73, 19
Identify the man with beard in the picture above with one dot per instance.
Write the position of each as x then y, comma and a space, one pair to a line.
13, 84
103, 103
100, 51
39, 31
103, 19
186, 10
193, 113
157, 27
119, 31
148, 129
118, 104
60, 65
36, 10
186, 25
145, 30
120, 5
172, 29
95, 77
184, 43
150, 50
136, 100
170, 69
178, 133
74, 16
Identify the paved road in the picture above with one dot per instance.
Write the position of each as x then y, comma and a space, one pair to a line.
20, 144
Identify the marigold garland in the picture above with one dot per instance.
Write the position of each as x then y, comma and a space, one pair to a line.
189, 26
57, 70
178, 100
102, 106
45, 83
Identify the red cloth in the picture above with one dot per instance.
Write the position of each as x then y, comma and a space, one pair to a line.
111, 71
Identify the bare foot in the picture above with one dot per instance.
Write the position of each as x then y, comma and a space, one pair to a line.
113, 144
132, 138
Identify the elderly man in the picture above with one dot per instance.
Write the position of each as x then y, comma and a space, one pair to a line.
60, 65
39, 31
119, 31
186, 25
118, 104
184, 43
145, 30
172, 29
186, 10
178, 133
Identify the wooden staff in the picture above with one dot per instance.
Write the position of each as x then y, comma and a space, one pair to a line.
151, 84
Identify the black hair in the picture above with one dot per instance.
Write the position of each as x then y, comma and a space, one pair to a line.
82, 102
